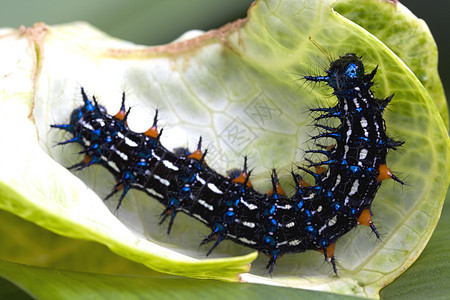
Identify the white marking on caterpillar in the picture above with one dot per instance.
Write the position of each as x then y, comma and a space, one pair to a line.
86, 142
87, 125
121, 154
162, 180
130, 143
363, 154
248, 224
250, 206
199, 218
332, 221
363, 122
347, 199
170, 165
294, 242
201, 180
113, 165
366, 133
355, 187
290, 225
286, 207
138, 185
311, 196
338, 180
377, 127
153, 192
155, 156
349, 133
244, 240
207, 205
346, 148
214, 188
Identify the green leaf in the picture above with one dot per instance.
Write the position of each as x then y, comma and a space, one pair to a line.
11, 291
407, 36
30, 244
239, 88
89, 263
60, 284
428, 277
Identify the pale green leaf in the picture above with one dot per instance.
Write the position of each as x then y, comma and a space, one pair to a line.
429, 276
407, 36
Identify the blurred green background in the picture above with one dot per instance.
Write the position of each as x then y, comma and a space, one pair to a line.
153, 22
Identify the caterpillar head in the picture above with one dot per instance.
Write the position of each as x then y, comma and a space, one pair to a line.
345, 72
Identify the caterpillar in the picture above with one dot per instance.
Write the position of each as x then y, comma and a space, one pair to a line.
313, 218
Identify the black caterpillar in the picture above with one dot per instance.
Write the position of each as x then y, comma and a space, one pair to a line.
274, 224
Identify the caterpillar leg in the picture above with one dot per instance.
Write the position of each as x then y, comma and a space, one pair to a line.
328, 252
86, 162
271, 264
171, 210
124, 184
219, 232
